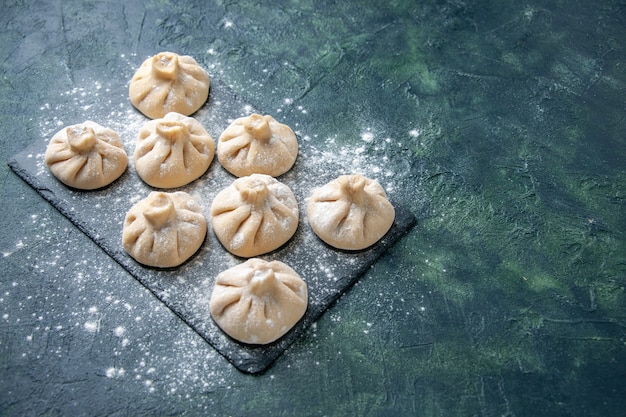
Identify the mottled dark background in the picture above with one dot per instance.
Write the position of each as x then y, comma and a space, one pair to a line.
501, 124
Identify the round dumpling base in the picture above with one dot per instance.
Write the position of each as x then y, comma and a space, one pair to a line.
257, 302
256, 214
257, 145
351, 212
86, 156
164, 229
168, 82
173, 151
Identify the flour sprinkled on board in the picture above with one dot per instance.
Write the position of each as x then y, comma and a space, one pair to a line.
136, 354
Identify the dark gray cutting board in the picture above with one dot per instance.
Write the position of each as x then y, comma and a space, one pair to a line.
186, 290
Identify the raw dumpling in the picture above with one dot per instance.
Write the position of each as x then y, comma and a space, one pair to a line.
257, 145
168, 82
257, 302
254, 215
173, 151
86, 156
351, 212
164, 229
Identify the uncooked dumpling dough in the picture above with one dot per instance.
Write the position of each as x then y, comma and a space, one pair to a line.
257, 145
173, 151
86, 156
351, 212
164, 229
168, 82
254, 215
257, 302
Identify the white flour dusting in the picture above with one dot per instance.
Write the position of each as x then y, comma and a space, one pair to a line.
137, 354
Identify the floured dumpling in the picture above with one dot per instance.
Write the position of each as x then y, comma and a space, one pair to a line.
257, 302
168, 82
254, 215
164, 229
257, 145
173, 151
351, 212
86, 156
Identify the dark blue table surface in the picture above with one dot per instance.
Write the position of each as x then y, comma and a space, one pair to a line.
500, 125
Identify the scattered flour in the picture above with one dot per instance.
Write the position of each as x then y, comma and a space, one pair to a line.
145, 359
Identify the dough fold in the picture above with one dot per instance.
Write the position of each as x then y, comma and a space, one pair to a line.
257, 302
351, 212
173, 151
257, 145
168, 82
164, 229
254, 215
86, 156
